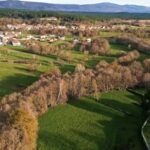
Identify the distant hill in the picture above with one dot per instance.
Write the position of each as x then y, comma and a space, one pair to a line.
100, 7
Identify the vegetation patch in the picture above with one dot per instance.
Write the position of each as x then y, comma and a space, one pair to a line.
87, 124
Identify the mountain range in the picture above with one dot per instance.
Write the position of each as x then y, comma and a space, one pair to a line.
99, 7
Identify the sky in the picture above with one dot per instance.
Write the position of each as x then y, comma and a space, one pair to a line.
137, 2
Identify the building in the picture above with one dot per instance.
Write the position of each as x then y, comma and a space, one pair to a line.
15, 42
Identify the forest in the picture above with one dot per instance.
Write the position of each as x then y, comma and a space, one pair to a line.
29, 14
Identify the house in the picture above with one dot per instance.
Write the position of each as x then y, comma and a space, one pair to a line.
43, 37
76, 41
52, 35
29, 37
82, 27
52, 40
15, 42
1, 43
4, 39
49, 19
89, 40
62, 38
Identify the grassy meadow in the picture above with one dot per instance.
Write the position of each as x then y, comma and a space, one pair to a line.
112, 123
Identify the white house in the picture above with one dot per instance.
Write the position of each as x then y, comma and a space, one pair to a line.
15, 42
89, 40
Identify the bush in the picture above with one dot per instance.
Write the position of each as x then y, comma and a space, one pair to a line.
20, 131
97, 46
146, 80
147, 65
129, 57
79, 68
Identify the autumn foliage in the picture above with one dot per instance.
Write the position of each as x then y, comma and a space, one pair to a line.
19, 111
96, 46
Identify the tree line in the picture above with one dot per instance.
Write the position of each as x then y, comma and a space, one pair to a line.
68, 16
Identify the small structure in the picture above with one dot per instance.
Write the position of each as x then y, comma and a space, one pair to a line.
89, 40
76, 41
1, 43
62, 38
51, 40
15, 42
49, 19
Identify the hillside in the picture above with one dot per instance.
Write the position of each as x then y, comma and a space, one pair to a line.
100, 7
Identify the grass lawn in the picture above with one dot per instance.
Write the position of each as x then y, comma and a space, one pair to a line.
16, 76
86, 124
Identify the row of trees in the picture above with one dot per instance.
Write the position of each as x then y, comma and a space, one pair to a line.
50, 49
54, 88
134, 42
129, 57
28, 14
96, 46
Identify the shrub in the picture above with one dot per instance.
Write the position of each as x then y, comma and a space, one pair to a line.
20, 131
79, 68
96, 46
146, 80
129, 57
147, 65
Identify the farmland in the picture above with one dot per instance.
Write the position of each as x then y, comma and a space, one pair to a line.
71, 81
103, 120
87, 124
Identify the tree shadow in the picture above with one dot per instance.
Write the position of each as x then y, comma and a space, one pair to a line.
55, 141
15, 83
128, 109
27, 70
122, 131
88, 105
65, 67
38, 60
93, 61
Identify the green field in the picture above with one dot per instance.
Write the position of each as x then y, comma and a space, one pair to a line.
114, 122
16, 76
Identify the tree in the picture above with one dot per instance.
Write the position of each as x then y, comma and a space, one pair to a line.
147, 65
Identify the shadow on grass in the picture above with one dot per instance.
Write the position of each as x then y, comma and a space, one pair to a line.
27, 70
122, 131
65, 67
128, 109
55, 142
15, 83
93, 61
94, 107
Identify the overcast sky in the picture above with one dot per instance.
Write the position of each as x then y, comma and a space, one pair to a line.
137, 2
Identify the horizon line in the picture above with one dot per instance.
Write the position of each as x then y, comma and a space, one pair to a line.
75, 3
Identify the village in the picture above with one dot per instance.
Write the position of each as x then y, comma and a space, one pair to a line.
14, 34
